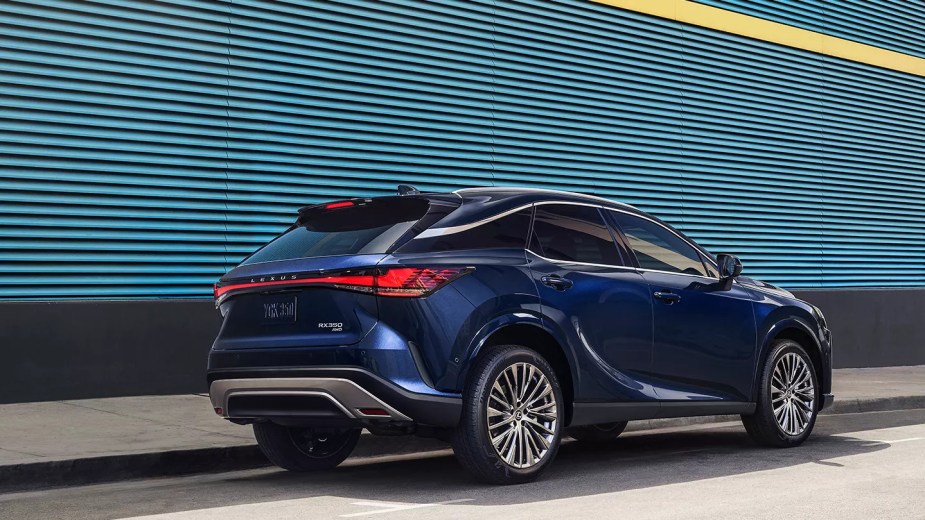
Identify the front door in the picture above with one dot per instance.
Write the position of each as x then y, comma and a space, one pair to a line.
704, 334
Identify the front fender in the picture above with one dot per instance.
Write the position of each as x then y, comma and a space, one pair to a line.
775, 326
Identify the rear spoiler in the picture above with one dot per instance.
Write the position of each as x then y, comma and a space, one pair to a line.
362, 213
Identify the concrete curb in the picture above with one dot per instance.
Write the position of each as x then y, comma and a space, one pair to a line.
882, 404
112, 468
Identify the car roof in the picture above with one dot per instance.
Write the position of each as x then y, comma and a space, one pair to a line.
525, 196
479, 204
476, 205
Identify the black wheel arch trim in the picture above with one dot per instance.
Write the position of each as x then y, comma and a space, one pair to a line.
499, 323
773, 333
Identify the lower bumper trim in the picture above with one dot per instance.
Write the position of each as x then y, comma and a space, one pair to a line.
440, 411
349, 397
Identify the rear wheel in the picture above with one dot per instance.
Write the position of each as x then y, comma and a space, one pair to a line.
788, 400
305, 449
597, 433
510, 428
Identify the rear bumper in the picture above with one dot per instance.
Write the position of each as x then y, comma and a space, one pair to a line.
263, 397
325, 395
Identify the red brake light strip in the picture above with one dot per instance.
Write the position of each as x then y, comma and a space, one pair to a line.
400, 281
341, 204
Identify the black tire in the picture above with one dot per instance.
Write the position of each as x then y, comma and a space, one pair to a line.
597, 433
305, 449
471, 441
763, 426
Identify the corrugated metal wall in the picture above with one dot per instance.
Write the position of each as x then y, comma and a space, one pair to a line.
897, 25
147, 146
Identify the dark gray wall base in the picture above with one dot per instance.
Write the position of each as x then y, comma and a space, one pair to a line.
873, 327
84, 349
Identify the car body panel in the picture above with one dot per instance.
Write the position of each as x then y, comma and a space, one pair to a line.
607, 317
704, 344
776, 313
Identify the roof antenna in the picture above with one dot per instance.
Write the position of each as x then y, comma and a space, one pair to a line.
404, 189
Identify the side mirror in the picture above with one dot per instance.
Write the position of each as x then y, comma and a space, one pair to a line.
729, 266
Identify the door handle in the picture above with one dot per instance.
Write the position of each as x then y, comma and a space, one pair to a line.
557, 282
667, 296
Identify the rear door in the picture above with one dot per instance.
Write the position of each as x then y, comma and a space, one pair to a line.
602, 304
704, 333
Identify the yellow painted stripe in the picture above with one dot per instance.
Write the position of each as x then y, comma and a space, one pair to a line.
766, 30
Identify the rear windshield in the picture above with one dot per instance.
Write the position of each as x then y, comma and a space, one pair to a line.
368, 227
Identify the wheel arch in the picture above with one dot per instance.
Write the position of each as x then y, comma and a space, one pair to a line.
533, 334
794, 329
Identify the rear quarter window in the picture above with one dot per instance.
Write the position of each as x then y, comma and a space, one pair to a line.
509, 231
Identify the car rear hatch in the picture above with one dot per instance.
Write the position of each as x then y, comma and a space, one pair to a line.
316, 284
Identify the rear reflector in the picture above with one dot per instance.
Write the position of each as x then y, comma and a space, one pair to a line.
398, 282
219, 411
379, 412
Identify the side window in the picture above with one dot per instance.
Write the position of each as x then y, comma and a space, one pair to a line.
657, 248
573, 233
509, 231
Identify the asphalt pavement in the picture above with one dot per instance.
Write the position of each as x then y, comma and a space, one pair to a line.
855, 466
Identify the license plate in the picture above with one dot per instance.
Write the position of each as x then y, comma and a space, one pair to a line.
279, 309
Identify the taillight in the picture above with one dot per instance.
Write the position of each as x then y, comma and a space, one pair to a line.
397, 281
415, 281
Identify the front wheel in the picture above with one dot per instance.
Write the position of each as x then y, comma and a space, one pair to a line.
788, 399
511, 423
305, 449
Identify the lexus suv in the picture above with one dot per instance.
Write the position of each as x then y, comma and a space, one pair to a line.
501, 320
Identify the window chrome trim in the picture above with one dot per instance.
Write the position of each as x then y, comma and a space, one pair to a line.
624, 267
679, 274
558, 261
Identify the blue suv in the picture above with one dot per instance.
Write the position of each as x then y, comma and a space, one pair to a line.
502, 319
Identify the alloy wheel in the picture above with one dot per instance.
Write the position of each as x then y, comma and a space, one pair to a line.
522, 415
793, 395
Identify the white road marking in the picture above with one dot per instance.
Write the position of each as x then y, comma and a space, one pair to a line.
392, 507
897, 441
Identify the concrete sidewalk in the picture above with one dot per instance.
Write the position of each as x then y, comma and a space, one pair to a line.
92, 440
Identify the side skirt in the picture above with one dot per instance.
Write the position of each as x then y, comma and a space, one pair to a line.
599, 413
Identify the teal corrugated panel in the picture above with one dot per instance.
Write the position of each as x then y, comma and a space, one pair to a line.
146, 147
